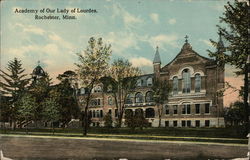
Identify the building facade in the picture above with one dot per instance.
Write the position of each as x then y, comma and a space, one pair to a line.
194, 100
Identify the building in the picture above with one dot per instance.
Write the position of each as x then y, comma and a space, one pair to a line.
194, 100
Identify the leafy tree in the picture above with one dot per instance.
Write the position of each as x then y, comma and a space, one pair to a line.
93, 65
51, 111
121, 80
235, 113
161, 91
139, 119
129, 119
235, 31
65, 94
40, 91
108, 120
13, 85
27, 109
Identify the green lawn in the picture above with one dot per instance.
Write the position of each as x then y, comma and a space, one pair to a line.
214, 135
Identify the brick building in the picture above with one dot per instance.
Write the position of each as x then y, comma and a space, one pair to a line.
194, 100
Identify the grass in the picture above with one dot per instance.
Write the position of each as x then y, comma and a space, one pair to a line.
213, 135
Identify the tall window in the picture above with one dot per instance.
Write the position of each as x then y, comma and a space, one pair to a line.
129, 99
197, 108
197, 83
186, 81
167, 109
175, 109
138, 98
149, 96
175, 85
149, 81
186, 109
110, 101
207, 108
139, 82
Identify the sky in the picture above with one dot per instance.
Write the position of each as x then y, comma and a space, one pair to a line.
133, 28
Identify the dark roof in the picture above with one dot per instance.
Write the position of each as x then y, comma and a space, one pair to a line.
38, 71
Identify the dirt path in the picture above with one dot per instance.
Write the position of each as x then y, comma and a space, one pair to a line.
30, 148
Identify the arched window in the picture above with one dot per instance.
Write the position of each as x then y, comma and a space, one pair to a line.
175, 85
129, 99
186, 81
82, 91
150, 113
139, 82
197, 83
149, 81
149, 96
139, 97
97, 89
110, 101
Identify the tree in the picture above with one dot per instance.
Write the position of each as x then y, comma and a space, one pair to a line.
121, 80
161, 91
13, 85
65, 95
27, 108
108, 120
139, 119
40, 89
235, 113
51, 111
93, 65
236, 34
130, 119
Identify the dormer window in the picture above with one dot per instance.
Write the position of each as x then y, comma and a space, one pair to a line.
82, 91
149, 81
139, 82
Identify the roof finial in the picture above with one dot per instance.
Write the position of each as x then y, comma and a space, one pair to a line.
38, 62
186, 37
157, 48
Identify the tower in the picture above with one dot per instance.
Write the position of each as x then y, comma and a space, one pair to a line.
157, 63
38, 72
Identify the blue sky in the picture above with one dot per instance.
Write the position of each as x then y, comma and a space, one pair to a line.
133, 27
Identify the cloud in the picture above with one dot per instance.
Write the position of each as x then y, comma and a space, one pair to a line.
172, 21
154, 17
207, 42
162, 39
141, 62
129, 19
121, 41
30, 29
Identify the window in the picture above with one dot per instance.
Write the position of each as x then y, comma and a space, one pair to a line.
139, 82
98, 89
166, 109
149, 97
207, 123
110, 101
186, 81
110, 112
175, 85
138, 98
90, 114
101, 113
183, 123
95, 102
197, 123
166, 123
116, 112
175, 109
98, 102
175, 123
129, 99
207, 108
197, 108
149, 81
197, 83
109, 88
82, 91
188, 123
150, 113
186, 109
94, 113
97, 114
